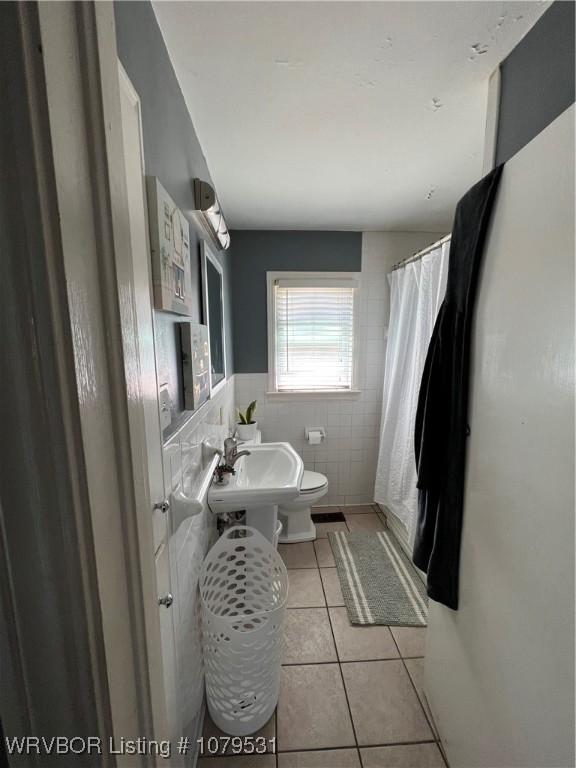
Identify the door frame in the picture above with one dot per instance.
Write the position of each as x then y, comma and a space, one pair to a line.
83, 397
149, 466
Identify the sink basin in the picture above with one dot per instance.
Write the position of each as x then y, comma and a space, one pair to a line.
270, 475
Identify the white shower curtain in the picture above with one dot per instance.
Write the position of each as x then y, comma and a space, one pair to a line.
416, 293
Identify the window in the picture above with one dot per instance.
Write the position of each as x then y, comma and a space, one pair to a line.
311, 326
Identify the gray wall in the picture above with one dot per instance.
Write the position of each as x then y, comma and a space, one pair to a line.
537, 80
173, 154
256, 252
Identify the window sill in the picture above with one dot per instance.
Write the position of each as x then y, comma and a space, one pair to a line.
315, 394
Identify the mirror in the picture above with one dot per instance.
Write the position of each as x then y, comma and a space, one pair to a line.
213, 294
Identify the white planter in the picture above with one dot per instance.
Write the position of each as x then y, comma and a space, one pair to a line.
246, 431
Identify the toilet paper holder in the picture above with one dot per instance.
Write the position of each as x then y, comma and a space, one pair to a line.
309, 430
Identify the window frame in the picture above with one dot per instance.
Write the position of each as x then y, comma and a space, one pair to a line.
319, 277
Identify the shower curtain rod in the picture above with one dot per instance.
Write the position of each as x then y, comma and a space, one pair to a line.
421, 253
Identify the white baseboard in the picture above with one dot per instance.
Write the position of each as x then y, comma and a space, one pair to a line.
399, 530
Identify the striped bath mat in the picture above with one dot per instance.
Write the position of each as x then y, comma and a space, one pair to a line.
379, 583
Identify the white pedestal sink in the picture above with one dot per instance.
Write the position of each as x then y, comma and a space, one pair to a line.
270, 475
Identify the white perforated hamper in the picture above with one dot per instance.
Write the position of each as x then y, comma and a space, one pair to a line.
244, 587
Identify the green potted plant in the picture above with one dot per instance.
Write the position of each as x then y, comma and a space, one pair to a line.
246, 426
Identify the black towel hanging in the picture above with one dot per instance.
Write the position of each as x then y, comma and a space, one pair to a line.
442, 414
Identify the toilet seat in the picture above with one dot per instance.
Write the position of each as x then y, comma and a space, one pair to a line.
311, 482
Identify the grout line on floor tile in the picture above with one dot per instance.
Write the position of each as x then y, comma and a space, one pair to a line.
316, 555
420, 702
309, 663
422, 707
361, 661
443, 752
349, 661
398, 744
364, 746
318, 749
343, 681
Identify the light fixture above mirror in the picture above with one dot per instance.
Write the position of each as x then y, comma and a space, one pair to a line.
209, 214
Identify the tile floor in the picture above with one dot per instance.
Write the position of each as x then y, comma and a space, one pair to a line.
351, 697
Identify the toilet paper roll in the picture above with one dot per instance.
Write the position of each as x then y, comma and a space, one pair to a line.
314, 437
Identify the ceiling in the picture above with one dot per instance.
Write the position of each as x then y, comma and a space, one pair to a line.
341, 115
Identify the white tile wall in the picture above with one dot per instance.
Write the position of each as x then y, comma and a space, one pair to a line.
214, 421
349, 454
187, 546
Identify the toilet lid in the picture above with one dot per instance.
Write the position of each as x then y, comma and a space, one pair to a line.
312, 481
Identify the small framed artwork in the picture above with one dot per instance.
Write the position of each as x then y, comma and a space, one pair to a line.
170, 247
195, 364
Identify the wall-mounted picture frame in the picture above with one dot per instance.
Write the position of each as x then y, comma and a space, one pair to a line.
195, 364
170, 251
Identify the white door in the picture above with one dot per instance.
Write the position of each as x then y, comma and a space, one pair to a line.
134, 166
134, 162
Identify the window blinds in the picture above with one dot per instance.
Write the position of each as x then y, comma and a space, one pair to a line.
314, 335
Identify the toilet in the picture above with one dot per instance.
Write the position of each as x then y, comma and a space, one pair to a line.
296, 515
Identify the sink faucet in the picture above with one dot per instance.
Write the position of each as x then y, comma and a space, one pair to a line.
231, 452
